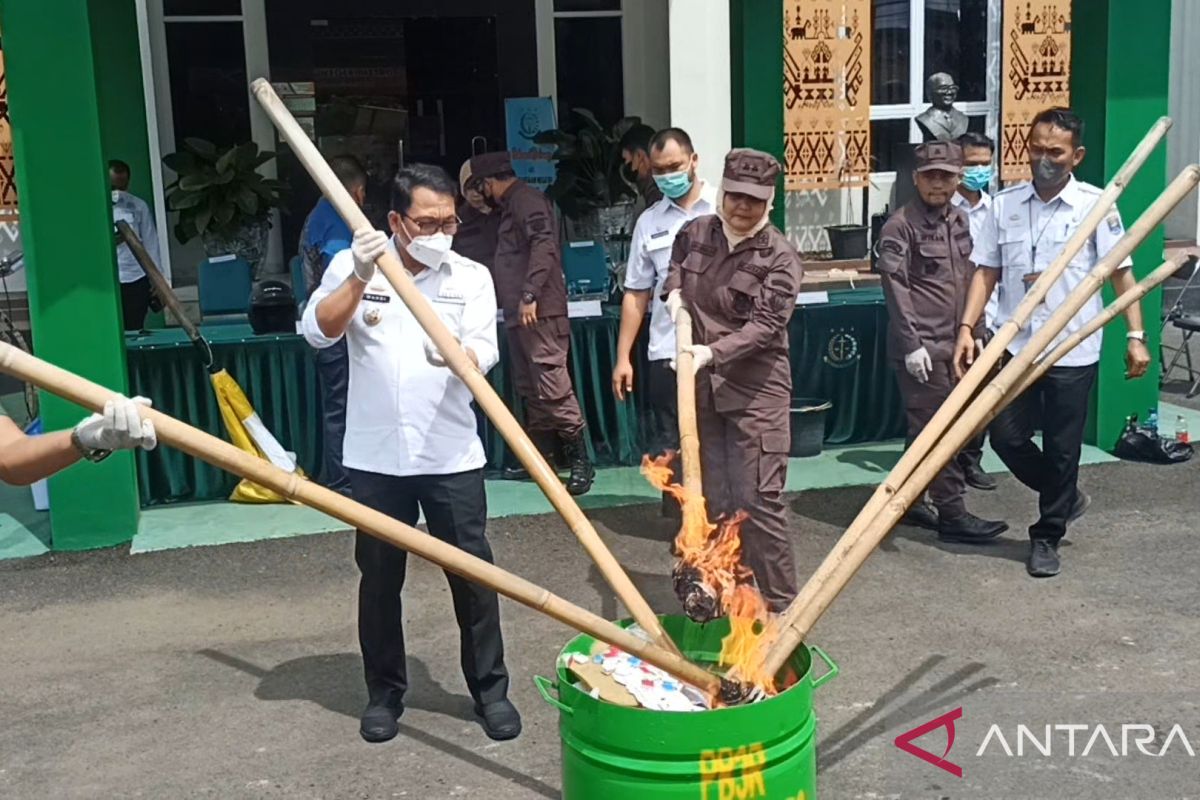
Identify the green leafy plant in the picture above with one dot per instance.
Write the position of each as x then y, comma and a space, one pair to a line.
220, 192
590, 170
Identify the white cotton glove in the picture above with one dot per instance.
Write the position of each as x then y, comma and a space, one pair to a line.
702, 356
432, 355
918, 364
120, 427
368, 244
674, 303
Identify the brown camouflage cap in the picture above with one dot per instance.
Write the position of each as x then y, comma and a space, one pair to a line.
945, 156
487, 165
751, 172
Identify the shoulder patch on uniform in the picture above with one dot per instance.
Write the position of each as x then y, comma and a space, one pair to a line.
1114, 223
893, 246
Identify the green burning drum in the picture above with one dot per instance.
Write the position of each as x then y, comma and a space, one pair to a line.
762, 750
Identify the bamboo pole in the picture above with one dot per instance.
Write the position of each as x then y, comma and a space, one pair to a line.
685, 395
859, 541
464, 368
225, 456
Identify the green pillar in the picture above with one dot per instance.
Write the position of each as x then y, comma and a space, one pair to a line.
56, 65
1120, 70
756, 64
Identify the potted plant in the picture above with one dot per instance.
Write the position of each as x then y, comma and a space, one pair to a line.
591, 187
221, 197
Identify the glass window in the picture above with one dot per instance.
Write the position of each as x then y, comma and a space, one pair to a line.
207, 61
890, 52
581, 45
886, 136
201, 8
956, 42
587, 5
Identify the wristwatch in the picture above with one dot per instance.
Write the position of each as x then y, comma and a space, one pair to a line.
1139, 335
88, 454
527, 298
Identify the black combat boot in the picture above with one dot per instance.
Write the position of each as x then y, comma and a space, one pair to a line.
582, 471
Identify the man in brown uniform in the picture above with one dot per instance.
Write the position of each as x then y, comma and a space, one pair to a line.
738, 277
532, 291
924, 260
476, 237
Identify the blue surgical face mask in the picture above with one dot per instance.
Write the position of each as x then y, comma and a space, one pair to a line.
674, 185
979, 177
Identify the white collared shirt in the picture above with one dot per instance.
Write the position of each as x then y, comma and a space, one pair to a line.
405, 416
133, 209
650, 257
976, 216
1023, 235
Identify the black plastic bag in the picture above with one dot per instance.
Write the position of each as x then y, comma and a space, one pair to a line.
1144, 444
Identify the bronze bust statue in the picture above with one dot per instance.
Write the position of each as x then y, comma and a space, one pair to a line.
941, 121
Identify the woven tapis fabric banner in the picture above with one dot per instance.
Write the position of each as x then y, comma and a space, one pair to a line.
8, 167
1036, 74
826, 93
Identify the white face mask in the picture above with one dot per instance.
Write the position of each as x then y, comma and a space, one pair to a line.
430, 250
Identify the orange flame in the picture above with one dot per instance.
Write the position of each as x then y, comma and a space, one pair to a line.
714, 550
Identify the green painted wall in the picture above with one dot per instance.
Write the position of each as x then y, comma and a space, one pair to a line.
756, 55
1120, 92
66, 228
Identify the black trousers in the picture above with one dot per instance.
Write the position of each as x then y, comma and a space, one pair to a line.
333, 371
135, 302
1058, 405
455, 509
972, 453
663, 404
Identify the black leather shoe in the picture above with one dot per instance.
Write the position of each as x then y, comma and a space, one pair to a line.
969, 529
514, 474
500, 720
921, 514
1043, 559
1080, 506
582, 471
977, 478
378, 722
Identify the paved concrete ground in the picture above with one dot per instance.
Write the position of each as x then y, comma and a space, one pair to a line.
232, 671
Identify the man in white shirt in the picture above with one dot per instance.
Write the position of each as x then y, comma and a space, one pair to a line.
1027, 229
135, 286
411, 443
673, 164
979, 153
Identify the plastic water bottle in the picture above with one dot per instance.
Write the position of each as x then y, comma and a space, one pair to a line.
1181, 430
1152, 420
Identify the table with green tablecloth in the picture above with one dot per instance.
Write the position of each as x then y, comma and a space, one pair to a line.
838, 354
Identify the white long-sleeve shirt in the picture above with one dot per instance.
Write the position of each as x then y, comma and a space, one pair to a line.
133, 209
405, 416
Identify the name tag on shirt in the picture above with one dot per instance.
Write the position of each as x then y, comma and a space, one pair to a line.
659, 240
377, 298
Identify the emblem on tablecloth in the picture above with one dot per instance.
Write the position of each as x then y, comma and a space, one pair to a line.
841, 350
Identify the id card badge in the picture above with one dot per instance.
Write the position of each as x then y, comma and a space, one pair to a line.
659, 240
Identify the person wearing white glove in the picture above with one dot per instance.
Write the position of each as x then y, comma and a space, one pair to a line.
919, 364
434, 356
367, 245
925, 268
28, 459
738, 277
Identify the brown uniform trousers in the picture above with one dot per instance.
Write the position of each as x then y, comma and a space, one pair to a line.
740, 304
528, 259
926, 269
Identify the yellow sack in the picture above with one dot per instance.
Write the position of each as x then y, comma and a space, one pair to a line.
248, 433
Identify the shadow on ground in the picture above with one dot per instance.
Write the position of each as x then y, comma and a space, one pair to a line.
891, 711
334, 682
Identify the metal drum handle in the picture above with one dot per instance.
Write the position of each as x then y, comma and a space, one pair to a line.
544, 685
829, 662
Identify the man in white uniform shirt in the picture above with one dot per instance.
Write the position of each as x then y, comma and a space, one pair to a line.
411, 443
979, 153
1027, 229
673, 164
135, 286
